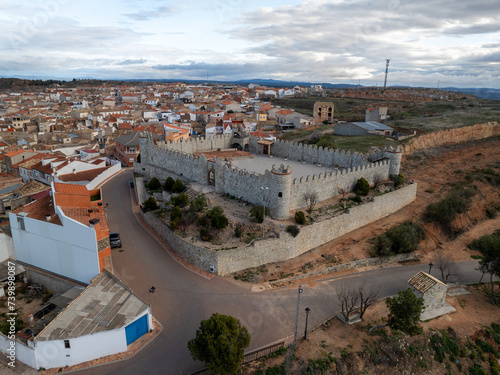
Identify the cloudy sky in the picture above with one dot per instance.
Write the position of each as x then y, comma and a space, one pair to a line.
429, 42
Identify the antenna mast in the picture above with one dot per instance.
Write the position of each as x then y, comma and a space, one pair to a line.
386, 71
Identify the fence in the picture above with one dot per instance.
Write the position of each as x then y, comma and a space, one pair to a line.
252, 356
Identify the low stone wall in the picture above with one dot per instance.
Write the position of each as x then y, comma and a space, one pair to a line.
347, 266
286, 247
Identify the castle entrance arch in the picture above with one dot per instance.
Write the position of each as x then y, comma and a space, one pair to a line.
211, 178
237, 146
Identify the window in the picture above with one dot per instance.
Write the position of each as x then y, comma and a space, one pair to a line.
20, 221
280, 195
66, 344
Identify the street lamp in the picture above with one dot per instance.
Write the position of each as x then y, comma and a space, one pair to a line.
297, 317
430, 267
151, 290
307, 316
264, 209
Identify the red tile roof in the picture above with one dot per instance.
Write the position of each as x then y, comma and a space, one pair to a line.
70, 189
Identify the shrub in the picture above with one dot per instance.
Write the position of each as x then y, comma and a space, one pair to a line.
198, 204
238, 232
169, 183
178, 187
257, 214
397, 179
445, 211
150, 204
403, 238
181, 200
293, 230
217, 217
300, 218
154, 184
176, 213
205, 234
362, 187
174, 224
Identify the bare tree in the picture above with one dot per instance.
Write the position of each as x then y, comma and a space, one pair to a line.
368, 294
377, 180
445, 265
311, 199
348, 296
343, 192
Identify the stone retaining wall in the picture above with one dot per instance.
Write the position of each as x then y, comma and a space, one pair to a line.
347, 266
285, 247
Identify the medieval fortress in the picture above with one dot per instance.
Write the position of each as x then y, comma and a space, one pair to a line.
275, 188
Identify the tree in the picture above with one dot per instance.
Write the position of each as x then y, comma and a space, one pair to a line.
220, 342
180, 200
362, 187
293, 230
398, 179
367, 296
198, 204
178, 187
445, 265
257, 213
154, 184
311, 199
489, 246
169, 183
150, 204
348, 298
217, 217
404, 312
300, 218
175, 217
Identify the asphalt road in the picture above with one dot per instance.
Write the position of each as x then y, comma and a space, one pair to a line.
184, 298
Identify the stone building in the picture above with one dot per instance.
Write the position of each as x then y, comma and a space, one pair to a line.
433, 291
325, 170
323, 111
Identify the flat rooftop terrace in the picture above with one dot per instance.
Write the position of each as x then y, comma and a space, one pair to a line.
259, 164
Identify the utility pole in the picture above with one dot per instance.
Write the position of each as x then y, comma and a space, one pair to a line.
386, 71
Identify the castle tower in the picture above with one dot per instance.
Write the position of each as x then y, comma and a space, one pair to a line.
279, 182
394, 155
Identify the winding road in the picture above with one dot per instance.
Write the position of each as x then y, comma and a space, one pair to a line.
184, 298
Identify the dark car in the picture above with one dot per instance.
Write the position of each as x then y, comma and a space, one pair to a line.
114, 240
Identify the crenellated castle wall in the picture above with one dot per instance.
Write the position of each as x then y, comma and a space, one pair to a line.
274, 188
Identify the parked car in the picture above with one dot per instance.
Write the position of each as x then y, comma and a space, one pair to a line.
114, 240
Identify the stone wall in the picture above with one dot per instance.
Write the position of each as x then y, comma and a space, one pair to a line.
326, 185
348, 266
285, 247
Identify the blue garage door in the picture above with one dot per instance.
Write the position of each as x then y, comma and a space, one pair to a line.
136, 329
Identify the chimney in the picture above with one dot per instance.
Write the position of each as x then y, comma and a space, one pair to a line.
93, 222
47, 217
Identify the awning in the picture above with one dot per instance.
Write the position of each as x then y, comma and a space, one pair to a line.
265, 142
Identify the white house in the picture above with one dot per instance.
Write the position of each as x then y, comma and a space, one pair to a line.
62, 233
103, 320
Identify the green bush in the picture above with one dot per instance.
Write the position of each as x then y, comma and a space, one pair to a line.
169, 183
397, 179
238, 232
174, 224
178, 187
180, 200
293, 230
256, 213
476, 369
445, 211
300, 218
150, 204
176, 213
198, 204
362, 187
154, 184
217, 217
403, 238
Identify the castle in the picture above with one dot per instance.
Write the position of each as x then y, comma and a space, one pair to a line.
275, 188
